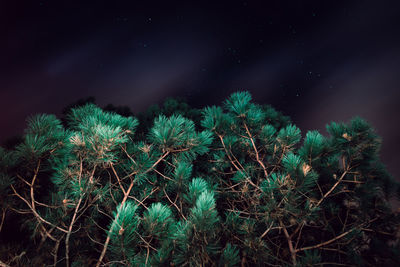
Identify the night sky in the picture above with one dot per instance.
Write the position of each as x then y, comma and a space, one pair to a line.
316, 61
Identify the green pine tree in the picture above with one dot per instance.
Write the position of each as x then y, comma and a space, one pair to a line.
230, 185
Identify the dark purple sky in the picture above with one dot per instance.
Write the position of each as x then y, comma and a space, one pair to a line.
317, 61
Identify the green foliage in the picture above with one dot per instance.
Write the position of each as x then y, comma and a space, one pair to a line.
213, 118
310, 258
267, 133
230, 256
42, 136
238, 103
313, 147
291, 163
289, 136
123, 229
196, 187
158, 221
196, 238
204, 215
223, 186
177, 133
170, 132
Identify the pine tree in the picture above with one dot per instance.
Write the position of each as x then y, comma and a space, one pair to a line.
238, 187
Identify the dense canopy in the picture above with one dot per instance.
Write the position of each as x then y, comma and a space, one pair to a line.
230, 185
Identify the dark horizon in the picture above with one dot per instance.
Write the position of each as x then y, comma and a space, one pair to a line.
314, 61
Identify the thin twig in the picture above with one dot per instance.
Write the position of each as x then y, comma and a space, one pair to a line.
255, 150
35, 213
327, 242
69, 232
3, 217
173, 203
333, 188
56, 253
290, 244
227, 153
121, 205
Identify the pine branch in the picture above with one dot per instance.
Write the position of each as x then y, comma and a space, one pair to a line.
70, 230
290, 243
174, 204
55, 253
103, 252
228, 154
255, 149
126, 194
327, 242
3, 217
332, 188
35, 212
